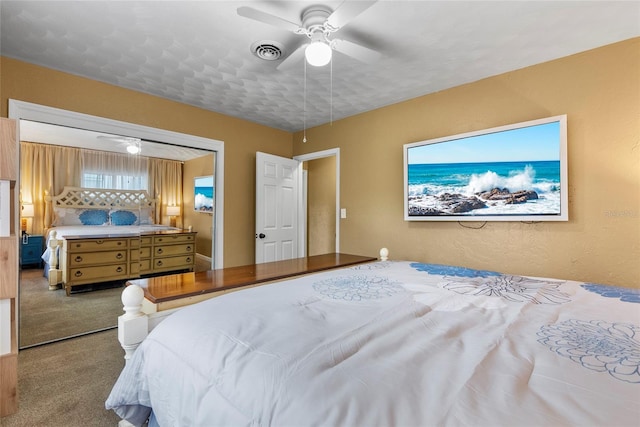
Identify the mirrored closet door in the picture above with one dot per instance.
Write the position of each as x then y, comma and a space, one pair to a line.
104, 196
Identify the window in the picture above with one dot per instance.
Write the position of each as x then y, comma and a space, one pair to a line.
114, 181
114, 171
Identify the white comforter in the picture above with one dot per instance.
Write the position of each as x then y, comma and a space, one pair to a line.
393, 344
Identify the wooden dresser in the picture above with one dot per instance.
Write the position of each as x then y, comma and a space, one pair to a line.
110, 257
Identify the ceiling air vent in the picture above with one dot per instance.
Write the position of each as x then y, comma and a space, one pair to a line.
267, 50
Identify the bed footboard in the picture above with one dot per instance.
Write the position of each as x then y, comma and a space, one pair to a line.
54, 273
134, 325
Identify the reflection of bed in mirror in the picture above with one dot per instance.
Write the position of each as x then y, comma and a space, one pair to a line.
109, 235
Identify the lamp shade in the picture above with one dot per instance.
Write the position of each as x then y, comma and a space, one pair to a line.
27, 211
173, 210
318, 53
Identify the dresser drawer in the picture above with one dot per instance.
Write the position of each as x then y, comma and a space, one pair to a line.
172, 250
30, 255
96, 245
173, 239
145, 241
145, 266
134, 269
172, 263
98, 273
145, 252
93, 258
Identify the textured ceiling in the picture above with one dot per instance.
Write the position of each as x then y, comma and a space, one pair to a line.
198, 53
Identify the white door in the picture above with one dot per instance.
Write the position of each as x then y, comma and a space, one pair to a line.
277, 193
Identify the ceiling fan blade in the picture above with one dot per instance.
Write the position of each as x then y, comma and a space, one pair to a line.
257, 15
291, 60
361, 53
347, 11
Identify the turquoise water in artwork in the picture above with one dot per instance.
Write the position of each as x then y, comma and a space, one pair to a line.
428, 181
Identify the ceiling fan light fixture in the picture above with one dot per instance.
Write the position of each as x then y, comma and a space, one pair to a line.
318, 53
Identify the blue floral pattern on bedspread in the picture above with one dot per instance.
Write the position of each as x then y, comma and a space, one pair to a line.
511, 288
357, 288
624, 294
597, 345
449, 270
521, 289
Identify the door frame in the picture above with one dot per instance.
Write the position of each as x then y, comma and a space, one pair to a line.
302, 223
40, 113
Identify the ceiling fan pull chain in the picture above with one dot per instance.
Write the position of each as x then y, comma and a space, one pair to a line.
331, 93
304, 108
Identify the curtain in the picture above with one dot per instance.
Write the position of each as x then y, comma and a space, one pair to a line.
165, 183
45, 170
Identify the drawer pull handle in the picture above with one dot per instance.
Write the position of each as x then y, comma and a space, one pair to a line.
119, 270
159, 250
189, 259
188, 248
99, 242
119, 256
78, 273
159, 263
78, 258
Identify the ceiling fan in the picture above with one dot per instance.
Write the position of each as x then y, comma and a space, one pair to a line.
132, 145
319, 22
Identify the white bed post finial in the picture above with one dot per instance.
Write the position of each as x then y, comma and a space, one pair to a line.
133, 325
384, 254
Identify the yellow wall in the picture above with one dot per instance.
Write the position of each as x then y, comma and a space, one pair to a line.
31, 83
599, 90
199, 221
321, 206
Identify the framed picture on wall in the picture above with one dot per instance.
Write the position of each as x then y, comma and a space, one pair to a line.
204, 193
516, 172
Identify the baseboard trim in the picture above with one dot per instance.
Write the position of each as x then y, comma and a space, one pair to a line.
203, 260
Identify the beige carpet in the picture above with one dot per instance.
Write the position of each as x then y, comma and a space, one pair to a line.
66, 383
47, 316
50, 315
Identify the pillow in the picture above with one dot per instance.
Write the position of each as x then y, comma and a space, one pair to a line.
123, 217
72, 216
94, 217
146, 216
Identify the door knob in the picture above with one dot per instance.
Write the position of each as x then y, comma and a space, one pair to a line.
261, 235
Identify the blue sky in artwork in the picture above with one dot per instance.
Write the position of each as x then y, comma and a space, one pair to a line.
532, 143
